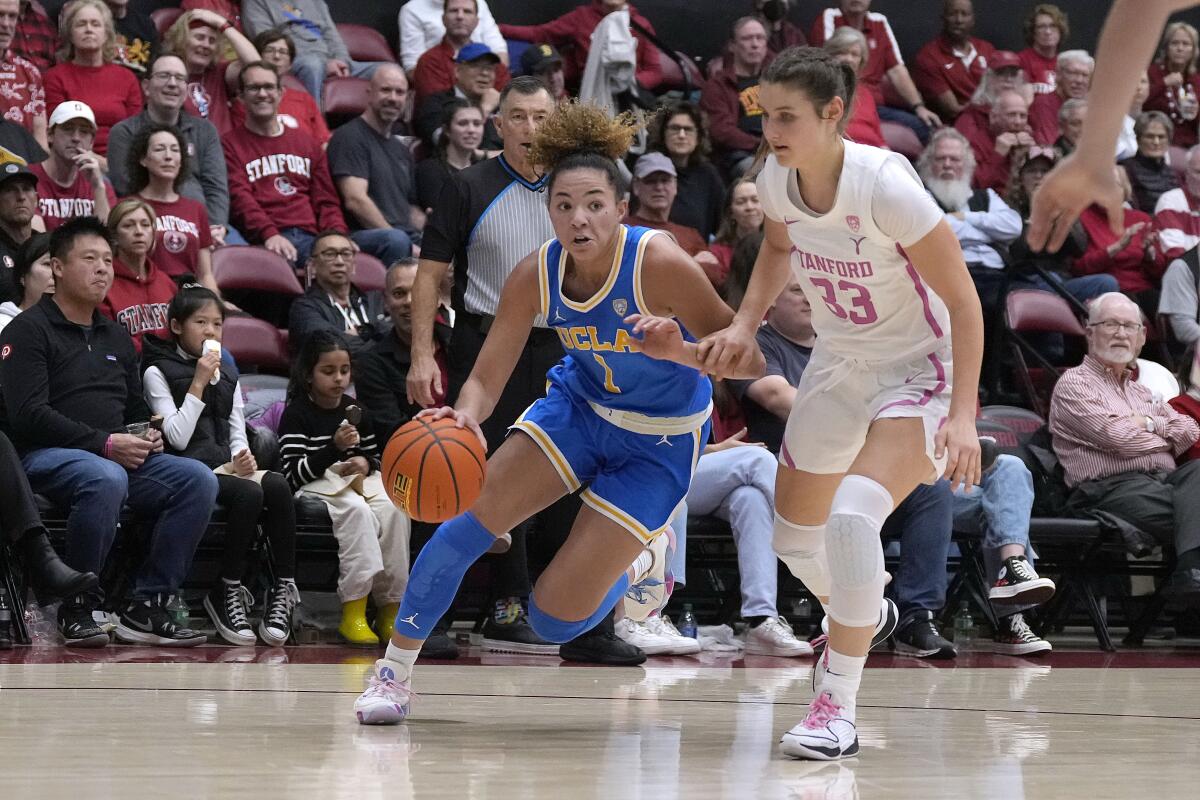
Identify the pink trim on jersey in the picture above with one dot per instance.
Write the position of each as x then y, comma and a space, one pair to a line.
940, 370
786, 456
919, 285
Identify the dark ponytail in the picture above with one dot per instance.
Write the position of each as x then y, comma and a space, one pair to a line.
816, 73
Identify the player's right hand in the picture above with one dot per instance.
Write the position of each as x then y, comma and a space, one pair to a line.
722, 352
463, 419
424, 380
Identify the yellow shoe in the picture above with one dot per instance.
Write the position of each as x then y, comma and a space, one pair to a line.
385, 621
354, 629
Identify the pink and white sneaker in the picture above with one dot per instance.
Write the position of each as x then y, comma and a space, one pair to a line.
826, 734
386, 700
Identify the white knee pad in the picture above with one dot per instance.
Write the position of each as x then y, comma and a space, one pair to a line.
860, 507
802, 549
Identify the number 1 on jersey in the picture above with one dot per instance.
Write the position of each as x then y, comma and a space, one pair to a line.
609, 386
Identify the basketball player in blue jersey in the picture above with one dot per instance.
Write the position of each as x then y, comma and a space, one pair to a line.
888, 399
625, 413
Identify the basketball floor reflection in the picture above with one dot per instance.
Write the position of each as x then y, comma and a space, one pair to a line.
233, 723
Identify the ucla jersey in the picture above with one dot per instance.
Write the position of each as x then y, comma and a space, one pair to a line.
601, 365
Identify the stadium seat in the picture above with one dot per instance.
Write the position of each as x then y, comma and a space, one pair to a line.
257, 280
902, 140
680, 73
290, 81
164, 18
1020, 421
365, 43
1035, 312
343, 99
370, 274
256, 344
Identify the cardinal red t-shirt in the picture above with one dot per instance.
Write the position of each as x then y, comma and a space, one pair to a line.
57, 204
208, 97
180, 231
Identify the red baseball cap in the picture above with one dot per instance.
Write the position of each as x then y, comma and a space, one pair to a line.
1003, 59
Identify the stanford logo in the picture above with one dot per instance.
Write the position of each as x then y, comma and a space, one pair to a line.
284, 186
854, 222
174, 241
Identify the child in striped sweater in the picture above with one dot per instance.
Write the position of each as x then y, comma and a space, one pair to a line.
329, 452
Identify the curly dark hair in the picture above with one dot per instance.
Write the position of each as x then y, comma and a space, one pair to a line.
584, 136
139, 176
658, 131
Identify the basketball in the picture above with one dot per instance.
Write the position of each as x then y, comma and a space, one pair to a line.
433, 470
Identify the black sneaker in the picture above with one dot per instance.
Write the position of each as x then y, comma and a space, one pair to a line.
1019, 585
226, 606
278, 603
1014, 638
439, 646
917, 635
77, 625
601, 645
507, 630
149, 622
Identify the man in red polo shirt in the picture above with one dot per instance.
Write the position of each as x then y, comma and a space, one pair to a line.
1073, 78
949, 68
435, 68
1005, 142
883, 60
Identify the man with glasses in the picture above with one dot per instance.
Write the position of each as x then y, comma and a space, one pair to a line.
475, 82
1073, 77
1117, 445
730, 97
165, 88
280, 190
332, 303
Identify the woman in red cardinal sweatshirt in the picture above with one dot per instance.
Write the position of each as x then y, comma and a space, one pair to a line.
140, 292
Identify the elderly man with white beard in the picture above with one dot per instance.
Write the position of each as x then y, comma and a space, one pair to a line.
982, 221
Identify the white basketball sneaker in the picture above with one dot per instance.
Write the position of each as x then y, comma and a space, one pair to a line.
386, 700
826, 734
639, 635
774, 637
680, 645
648, 591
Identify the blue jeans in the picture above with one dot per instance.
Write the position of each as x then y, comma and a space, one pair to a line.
999, 510
1084, 288
389, 245
738, 486
923, 524
309, 68
177, 493
907, 119
302, 240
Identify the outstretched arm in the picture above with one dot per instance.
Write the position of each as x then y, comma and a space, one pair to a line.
1126, 46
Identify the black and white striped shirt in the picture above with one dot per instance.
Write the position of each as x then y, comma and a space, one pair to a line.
306, 439
485, 221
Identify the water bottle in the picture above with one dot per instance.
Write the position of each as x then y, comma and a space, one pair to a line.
5, 622
964, 627
179, 611
687, 622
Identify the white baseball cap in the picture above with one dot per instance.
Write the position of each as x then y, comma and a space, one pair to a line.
72, 109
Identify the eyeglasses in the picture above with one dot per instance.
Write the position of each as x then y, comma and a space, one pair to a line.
1112, 326
169, 77
337, 255
684, 129
260, 88
276, 51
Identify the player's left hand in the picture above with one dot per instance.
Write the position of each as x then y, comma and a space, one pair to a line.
661, 336
959, 443
1068, 189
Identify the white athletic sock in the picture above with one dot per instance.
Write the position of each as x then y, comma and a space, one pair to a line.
401, 661
843, 674
642, 564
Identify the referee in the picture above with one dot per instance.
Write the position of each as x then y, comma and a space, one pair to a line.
485, 221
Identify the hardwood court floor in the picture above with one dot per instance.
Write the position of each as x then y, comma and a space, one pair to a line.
144, 723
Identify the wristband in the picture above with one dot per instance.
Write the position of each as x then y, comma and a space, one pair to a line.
225, 27
107, 446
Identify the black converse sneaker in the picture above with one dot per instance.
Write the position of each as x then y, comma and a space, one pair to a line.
226, 606
77, 625
1019, 585
917, 635
276, 626
149, 622
1014, 638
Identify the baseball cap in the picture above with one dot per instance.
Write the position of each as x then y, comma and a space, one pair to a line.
539, 57
1003, 59
651, 163
72, 109
475, 51
13, 167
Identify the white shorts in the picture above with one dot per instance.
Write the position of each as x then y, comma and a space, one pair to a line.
838, 399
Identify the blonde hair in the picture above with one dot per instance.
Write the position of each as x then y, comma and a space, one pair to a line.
1172, 29
123, 209
66, 22
174, 41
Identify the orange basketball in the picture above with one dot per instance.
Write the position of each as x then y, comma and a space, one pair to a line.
432, 470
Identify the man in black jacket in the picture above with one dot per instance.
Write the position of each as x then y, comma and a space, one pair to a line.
72, 395
333, 303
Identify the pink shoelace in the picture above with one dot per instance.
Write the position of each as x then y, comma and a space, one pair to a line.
388, 689
821, 712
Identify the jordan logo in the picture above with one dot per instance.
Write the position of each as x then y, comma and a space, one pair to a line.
410, 620
558, 317
858, 240
664, 440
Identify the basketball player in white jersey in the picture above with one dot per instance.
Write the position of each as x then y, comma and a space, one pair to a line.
898, 324
1126, 46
